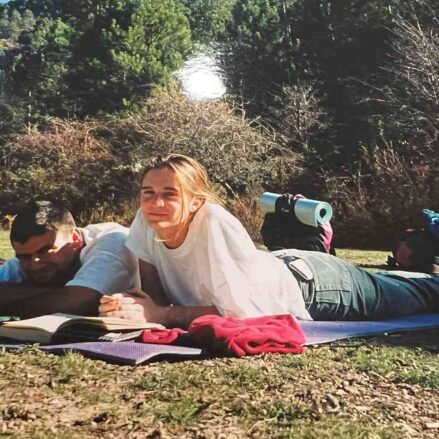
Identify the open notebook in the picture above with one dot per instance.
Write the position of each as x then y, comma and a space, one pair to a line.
67, 327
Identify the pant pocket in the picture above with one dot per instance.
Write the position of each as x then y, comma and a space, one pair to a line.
332, 311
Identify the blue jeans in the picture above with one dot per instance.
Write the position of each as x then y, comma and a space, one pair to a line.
340, 291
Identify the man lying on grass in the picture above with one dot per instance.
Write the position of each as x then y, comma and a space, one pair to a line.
60, 267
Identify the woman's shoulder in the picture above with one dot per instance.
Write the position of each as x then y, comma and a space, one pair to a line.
217, 225
215, 217
214, 212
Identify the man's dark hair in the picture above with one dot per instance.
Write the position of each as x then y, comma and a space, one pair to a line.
37, 217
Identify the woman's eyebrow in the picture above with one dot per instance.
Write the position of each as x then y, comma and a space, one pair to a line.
166, 188
171, 188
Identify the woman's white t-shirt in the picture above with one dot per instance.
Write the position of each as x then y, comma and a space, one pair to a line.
218, 264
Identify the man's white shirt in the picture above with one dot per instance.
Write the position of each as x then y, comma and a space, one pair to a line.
107, 265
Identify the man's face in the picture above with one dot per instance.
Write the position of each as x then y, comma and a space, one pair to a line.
47, 259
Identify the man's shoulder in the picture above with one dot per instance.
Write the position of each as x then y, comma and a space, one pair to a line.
106, 237
98, 231
10, 271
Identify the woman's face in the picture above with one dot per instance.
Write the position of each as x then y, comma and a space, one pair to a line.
162, 201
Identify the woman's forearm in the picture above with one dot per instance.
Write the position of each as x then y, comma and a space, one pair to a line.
182, 316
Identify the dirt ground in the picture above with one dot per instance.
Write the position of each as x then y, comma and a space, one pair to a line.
383, 387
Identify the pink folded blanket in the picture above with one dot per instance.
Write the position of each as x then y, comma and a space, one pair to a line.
253, 336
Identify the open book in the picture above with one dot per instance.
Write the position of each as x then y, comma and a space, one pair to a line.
67, 327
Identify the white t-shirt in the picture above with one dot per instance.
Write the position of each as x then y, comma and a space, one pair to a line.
218, 264
107, 266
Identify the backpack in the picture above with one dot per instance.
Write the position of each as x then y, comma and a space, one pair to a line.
285, 231
416, 250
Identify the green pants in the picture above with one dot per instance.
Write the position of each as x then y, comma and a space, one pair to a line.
337, 290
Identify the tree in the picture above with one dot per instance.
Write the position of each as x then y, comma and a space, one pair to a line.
27, 20
339, 47
36, 76
97, 56
11, 27
15, 25
5, 30
208, 18
154, 45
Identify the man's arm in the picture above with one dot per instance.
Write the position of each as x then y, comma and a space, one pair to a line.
28, 301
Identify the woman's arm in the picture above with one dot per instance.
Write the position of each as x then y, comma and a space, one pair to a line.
151, 304
182, 316
137, 305
150, 281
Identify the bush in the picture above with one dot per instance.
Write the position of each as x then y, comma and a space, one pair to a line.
66, 161
372, 209
397, 179
412, 97
94, 166
241, 155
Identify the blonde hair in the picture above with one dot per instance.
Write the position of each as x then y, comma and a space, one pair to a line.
191, 174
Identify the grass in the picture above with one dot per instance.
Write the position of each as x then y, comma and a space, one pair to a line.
381, 387
399, 365
5, 245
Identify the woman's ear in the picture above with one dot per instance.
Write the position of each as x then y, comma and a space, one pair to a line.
196, 203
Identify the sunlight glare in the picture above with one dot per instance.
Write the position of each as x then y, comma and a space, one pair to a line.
200, 78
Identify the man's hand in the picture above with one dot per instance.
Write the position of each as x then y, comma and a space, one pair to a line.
134, 305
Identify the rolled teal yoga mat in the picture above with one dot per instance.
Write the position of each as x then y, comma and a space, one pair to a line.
309, 212
312, 212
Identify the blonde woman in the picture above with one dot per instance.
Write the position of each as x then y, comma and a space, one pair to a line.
196, 258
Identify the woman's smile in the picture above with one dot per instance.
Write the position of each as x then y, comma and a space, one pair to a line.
154, 216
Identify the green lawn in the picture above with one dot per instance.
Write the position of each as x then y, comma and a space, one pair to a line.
383, 387
5, 245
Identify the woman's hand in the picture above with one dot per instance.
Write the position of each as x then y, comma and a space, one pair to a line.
134, 304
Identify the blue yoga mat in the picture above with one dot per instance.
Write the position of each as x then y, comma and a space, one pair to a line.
121, 352
317, 332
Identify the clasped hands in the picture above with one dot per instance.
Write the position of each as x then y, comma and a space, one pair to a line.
133, 304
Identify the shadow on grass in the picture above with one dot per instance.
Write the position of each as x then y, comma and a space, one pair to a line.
426, 339
374, 266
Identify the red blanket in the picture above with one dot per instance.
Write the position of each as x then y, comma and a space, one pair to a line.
225, 335
161, 336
